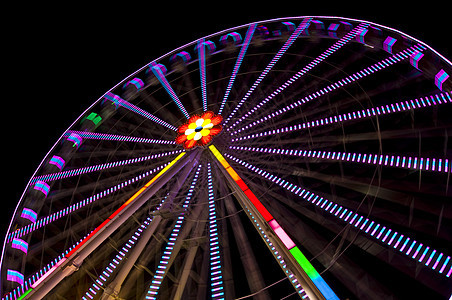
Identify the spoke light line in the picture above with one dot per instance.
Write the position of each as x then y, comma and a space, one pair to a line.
111, 217
115, 137
427, 101
202, 72
336, 46
341, 83
74, 207
155, 68
118, 101
110, 269
162, 267
85, 170
216, 273
303, 25
238, 63
407, 162
383, 234
312, 273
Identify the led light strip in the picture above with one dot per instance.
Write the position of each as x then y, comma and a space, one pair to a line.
111, 217
161, 77
341, 83
437, 99
162, 267
336, 46
85, 170
381, 233
63, 212
397, 161
202, 72
282, 235
238, 63
121, 102
303, 25
216, 275
115, 137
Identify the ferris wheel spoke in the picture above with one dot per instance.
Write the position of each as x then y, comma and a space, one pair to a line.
119, 138
336, 46
158, 71
395, 161
379, 232
339, 84
118, 101
303, 25
383, 110
95, 168
246, 43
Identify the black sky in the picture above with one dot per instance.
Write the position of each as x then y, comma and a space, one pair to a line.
61, 59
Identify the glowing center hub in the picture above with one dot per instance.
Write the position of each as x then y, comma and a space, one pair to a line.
199, 130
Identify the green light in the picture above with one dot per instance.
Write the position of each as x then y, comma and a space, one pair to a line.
25, 294
323, 287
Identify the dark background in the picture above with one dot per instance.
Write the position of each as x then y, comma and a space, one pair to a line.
61, 59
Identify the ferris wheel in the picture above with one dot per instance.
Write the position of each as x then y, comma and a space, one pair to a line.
305, 157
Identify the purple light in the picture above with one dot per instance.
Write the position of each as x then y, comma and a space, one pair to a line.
382, 235
303, 25
20, 244
336, 46
89, 169
57, 161
137, 82
15, 276
118, 101
388, 44
119, 138
366, 158
29, 214
339, 84
42, 187
440, 78
238, 63
76, 139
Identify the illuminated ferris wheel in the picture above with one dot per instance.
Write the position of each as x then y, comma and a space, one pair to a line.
305, 157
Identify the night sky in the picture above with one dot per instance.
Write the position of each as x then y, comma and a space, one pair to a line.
60, 60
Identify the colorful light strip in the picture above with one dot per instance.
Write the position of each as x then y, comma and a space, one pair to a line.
374, 229
162, 267
95, 168
336, 46
238, 63
111, 217
118, 101
396, 161
119, 138
29, 214
14, 276
341, 83
427, 101
440, 78
303, 25
42, 187
282, 235
76, 139
157, 70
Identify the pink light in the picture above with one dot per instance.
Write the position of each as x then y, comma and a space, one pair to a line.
46, 274
281, 234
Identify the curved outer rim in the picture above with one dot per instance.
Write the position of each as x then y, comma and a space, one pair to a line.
183, 47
